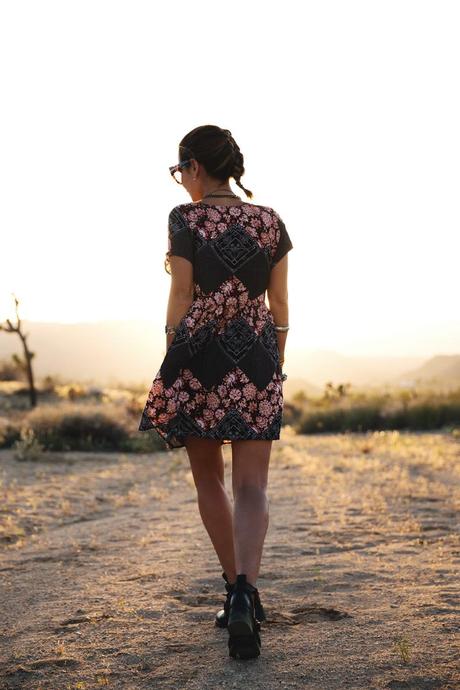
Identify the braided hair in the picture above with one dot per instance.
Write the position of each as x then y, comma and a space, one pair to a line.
216, 149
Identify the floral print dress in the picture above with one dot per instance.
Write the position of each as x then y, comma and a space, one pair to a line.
221, 376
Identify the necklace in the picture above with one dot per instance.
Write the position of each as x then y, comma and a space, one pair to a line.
221, 196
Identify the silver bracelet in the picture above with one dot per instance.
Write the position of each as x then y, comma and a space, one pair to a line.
169, 330
281, 328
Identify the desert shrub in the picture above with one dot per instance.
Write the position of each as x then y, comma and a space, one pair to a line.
145, 442
382, 414
319, 420
292, 413
77, 427
27, 447
426, 416
9, 433
9, 371
341, 419
362, 418
89, 427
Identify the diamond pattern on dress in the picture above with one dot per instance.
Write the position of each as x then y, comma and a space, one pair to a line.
211, 365
269, 340
211, 358
233, 426
255, 274
210, 270
181, 425
258, 365
202, 337
146, 422
235, 247
238, 338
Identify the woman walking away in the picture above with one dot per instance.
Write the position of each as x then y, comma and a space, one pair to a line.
221, 380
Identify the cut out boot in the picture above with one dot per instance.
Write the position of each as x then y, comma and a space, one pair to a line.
221, 619
243, 627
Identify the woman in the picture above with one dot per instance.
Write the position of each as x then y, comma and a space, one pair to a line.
221, 378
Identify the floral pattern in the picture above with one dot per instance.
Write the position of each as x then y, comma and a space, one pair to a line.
221, 376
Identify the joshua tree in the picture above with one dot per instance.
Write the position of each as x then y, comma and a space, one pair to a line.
24, 364
332, 393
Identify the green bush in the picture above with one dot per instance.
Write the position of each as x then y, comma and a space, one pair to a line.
381, 414
363, 418
339, 420
78, 427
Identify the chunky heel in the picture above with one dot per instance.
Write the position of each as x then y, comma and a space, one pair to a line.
243, 628
244, 646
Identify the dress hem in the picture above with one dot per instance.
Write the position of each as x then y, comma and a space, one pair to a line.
174, 439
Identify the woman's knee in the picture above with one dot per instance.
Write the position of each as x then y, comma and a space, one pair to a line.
250, 463
251, 491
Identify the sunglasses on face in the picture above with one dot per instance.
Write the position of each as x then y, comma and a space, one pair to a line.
176, 170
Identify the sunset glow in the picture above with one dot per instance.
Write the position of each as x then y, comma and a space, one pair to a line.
348, 121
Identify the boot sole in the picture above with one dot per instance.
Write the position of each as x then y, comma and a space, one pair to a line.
244, 641
225, 624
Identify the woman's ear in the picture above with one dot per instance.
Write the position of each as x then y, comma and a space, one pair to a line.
194, 168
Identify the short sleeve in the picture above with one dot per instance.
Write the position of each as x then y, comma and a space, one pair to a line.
284, 243
180, 238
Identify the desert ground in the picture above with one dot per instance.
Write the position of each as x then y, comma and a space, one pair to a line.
108, 578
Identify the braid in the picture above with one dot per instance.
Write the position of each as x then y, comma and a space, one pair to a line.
216, 149
238, 163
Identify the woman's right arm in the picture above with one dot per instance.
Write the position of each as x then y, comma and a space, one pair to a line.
277, 294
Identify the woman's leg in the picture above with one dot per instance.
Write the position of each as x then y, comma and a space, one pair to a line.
250, 462
207, 464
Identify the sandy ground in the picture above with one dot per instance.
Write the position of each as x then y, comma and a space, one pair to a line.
108, 578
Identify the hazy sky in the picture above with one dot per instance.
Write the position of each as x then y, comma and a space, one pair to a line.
346, 112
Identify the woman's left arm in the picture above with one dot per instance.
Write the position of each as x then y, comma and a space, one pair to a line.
180, 294
180, 260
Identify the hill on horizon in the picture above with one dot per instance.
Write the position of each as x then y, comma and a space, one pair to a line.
111, 352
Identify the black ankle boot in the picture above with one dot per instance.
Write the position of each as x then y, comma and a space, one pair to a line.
221, 619
243, 627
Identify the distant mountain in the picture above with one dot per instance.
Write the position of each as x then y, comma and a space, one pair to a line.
296, 384
105, 352
320, 366
442, 371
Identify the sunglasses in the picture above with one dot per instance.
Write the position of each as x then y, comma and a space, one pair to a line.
176, 170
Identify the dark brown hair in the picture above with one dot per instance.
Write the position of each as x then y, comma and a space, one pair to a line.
216, 149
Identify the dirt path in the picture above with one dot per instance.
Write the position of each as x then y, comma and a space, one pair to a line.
108, 578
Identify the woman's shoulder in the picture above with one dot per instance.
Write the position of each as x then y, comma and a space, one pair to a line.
203, 208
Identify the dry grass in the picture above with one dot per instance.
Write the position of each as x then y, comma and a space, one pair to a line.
109, 579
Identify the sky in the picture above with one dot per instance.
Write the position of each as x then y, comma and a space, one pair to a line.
347, 116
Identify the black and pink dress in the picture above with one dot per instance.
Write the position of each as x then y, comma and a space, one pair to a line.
221, 376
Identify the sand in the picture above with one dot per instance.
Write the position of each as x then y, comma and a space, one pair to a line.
108, 578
